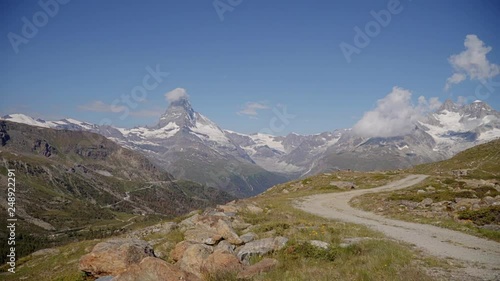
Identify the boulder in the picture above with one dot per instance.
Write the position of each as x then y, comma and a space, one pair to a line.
179, 249
260, 247
263, 266
225, 246
114, 256
426, 202
254, 209
248, 237
220, 262
193, 258
225, 229
202, 234
319, 244
154, 269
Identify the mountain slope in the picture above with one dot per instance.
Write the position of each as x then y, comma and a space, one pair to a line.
479, 162
68, 180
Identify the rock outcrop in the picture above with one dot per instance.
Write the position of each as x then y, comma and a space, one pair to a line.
114, 256
211, 249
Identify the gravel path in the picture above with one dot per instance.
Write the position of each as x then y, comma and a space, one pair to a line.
480, 257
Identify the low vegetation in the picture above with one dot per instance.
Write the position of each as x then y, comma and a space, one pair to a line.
462, 193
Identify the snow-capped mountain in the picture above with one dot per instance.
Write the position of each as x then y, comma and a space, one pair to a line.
191, 146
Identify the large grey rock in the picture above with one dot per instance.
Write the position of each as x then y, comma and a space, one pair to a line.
248, 237
319, 244
261, 247
114, 256
225, 246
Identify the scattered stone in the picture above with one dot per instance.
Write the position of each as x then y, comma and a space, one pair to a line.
494, 227
154, 269
263, 266
427, 202
420, 191
260, 247
319, 244
114, 256
343, 184
347, 242
254, 209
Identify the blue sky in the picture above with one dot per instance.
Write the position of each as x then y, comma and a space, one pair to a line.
261, 55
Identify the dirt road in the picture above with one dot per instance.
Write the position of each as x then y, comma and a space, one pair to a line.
480, 257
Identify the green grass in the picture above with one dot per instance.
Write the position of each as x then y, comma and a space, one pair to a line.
483, 216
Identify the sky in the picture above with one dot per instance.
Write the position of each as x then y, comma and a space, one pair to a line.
276, 66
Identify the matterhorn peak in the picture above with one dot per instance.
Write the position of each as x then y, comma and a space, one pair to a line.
179, 110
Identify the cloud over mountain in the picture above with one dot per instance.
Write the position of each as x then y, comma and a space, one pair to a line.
176, 95
394, 115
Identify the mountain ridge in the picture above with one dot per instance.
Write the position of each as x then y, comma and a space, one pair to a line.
190, 145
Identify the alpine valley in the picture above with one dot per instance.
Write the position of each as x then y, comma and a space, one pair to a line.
192, 147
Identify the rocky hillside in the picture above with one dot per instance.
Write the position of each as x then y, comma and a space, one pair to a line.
74, 184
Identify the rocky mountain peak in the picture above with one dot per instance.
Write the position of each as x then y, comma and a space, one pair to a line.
179, 112
477, 109
449, 105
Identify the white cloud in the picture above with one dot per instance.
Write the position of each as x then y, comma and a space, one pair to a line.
99, 106
472, 62
251, 108
176, 94
454, 79
394, 115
